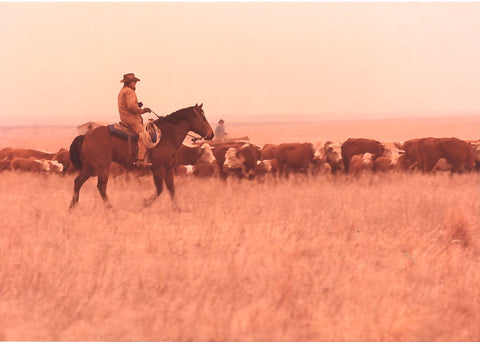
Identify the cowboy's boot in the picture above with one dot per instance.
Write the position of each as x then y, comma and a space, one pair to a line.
142, 161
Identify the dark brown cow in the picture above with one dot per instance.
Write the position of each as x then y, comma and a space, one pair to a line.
269, 151
426, 152
354, 146
11, 153
456, 152
296, 157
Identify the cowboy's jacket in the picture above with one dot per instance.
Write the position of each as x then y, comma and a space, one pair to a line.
128, 105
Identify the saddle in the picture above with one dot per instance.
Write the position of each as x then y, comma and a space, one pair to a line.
122, 131
150, 134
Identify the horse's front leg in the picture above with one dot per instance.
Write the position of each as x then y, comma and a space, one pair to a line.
158, 175
102, 185
171, 188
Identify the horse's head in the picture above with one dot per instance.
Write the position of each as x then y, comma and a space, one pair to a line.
199, 123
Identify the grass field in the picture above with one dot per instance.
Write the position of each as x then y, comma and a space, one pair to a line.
393, 258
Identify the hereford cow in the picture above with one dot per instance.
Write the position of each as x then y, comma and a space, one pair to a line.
242, 161
207, 154
63, 157
11, 153
353, 147
205, 166
219, 153
295, 157
266, 167
29, 165
333, 156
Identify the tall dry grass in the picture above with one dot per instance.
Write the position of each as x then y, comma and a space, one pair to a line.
394, 258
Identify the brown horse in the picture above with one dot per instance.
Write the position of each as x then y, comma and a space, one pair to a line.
94, 152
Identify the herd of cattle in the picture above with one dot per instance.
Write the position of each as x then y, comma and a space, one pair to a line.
245, 160
354, 156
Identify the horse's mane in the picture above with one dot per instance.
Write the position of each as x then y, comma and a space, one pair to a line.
179, 115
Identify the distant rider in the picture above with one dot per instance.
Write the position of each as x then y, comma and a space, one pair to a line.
220, 130
131, 113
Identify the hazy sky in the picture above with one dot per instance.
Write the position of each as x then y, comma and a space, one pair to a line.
61, 63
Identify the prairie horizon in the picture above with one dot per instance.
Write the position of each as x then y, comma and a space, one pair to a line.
50, 137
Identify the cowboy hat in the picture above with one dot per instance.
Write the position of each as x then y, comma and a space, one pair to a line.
129, 77
221, 121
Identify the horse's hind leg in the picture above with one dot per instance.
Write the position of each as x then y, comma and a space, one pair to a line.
102, 185
79, 180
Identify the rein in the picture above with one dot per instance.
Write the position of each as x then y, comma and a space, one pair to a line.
194, 138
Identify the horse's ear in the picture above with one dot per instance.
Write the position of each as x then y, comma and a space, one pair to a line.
196, 105
201, 105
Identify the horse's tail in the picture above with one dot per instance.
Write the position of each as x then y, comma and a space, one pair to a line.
75, 151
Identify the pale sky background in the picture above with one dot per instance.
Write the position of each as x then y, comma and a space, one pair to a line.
61, 63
